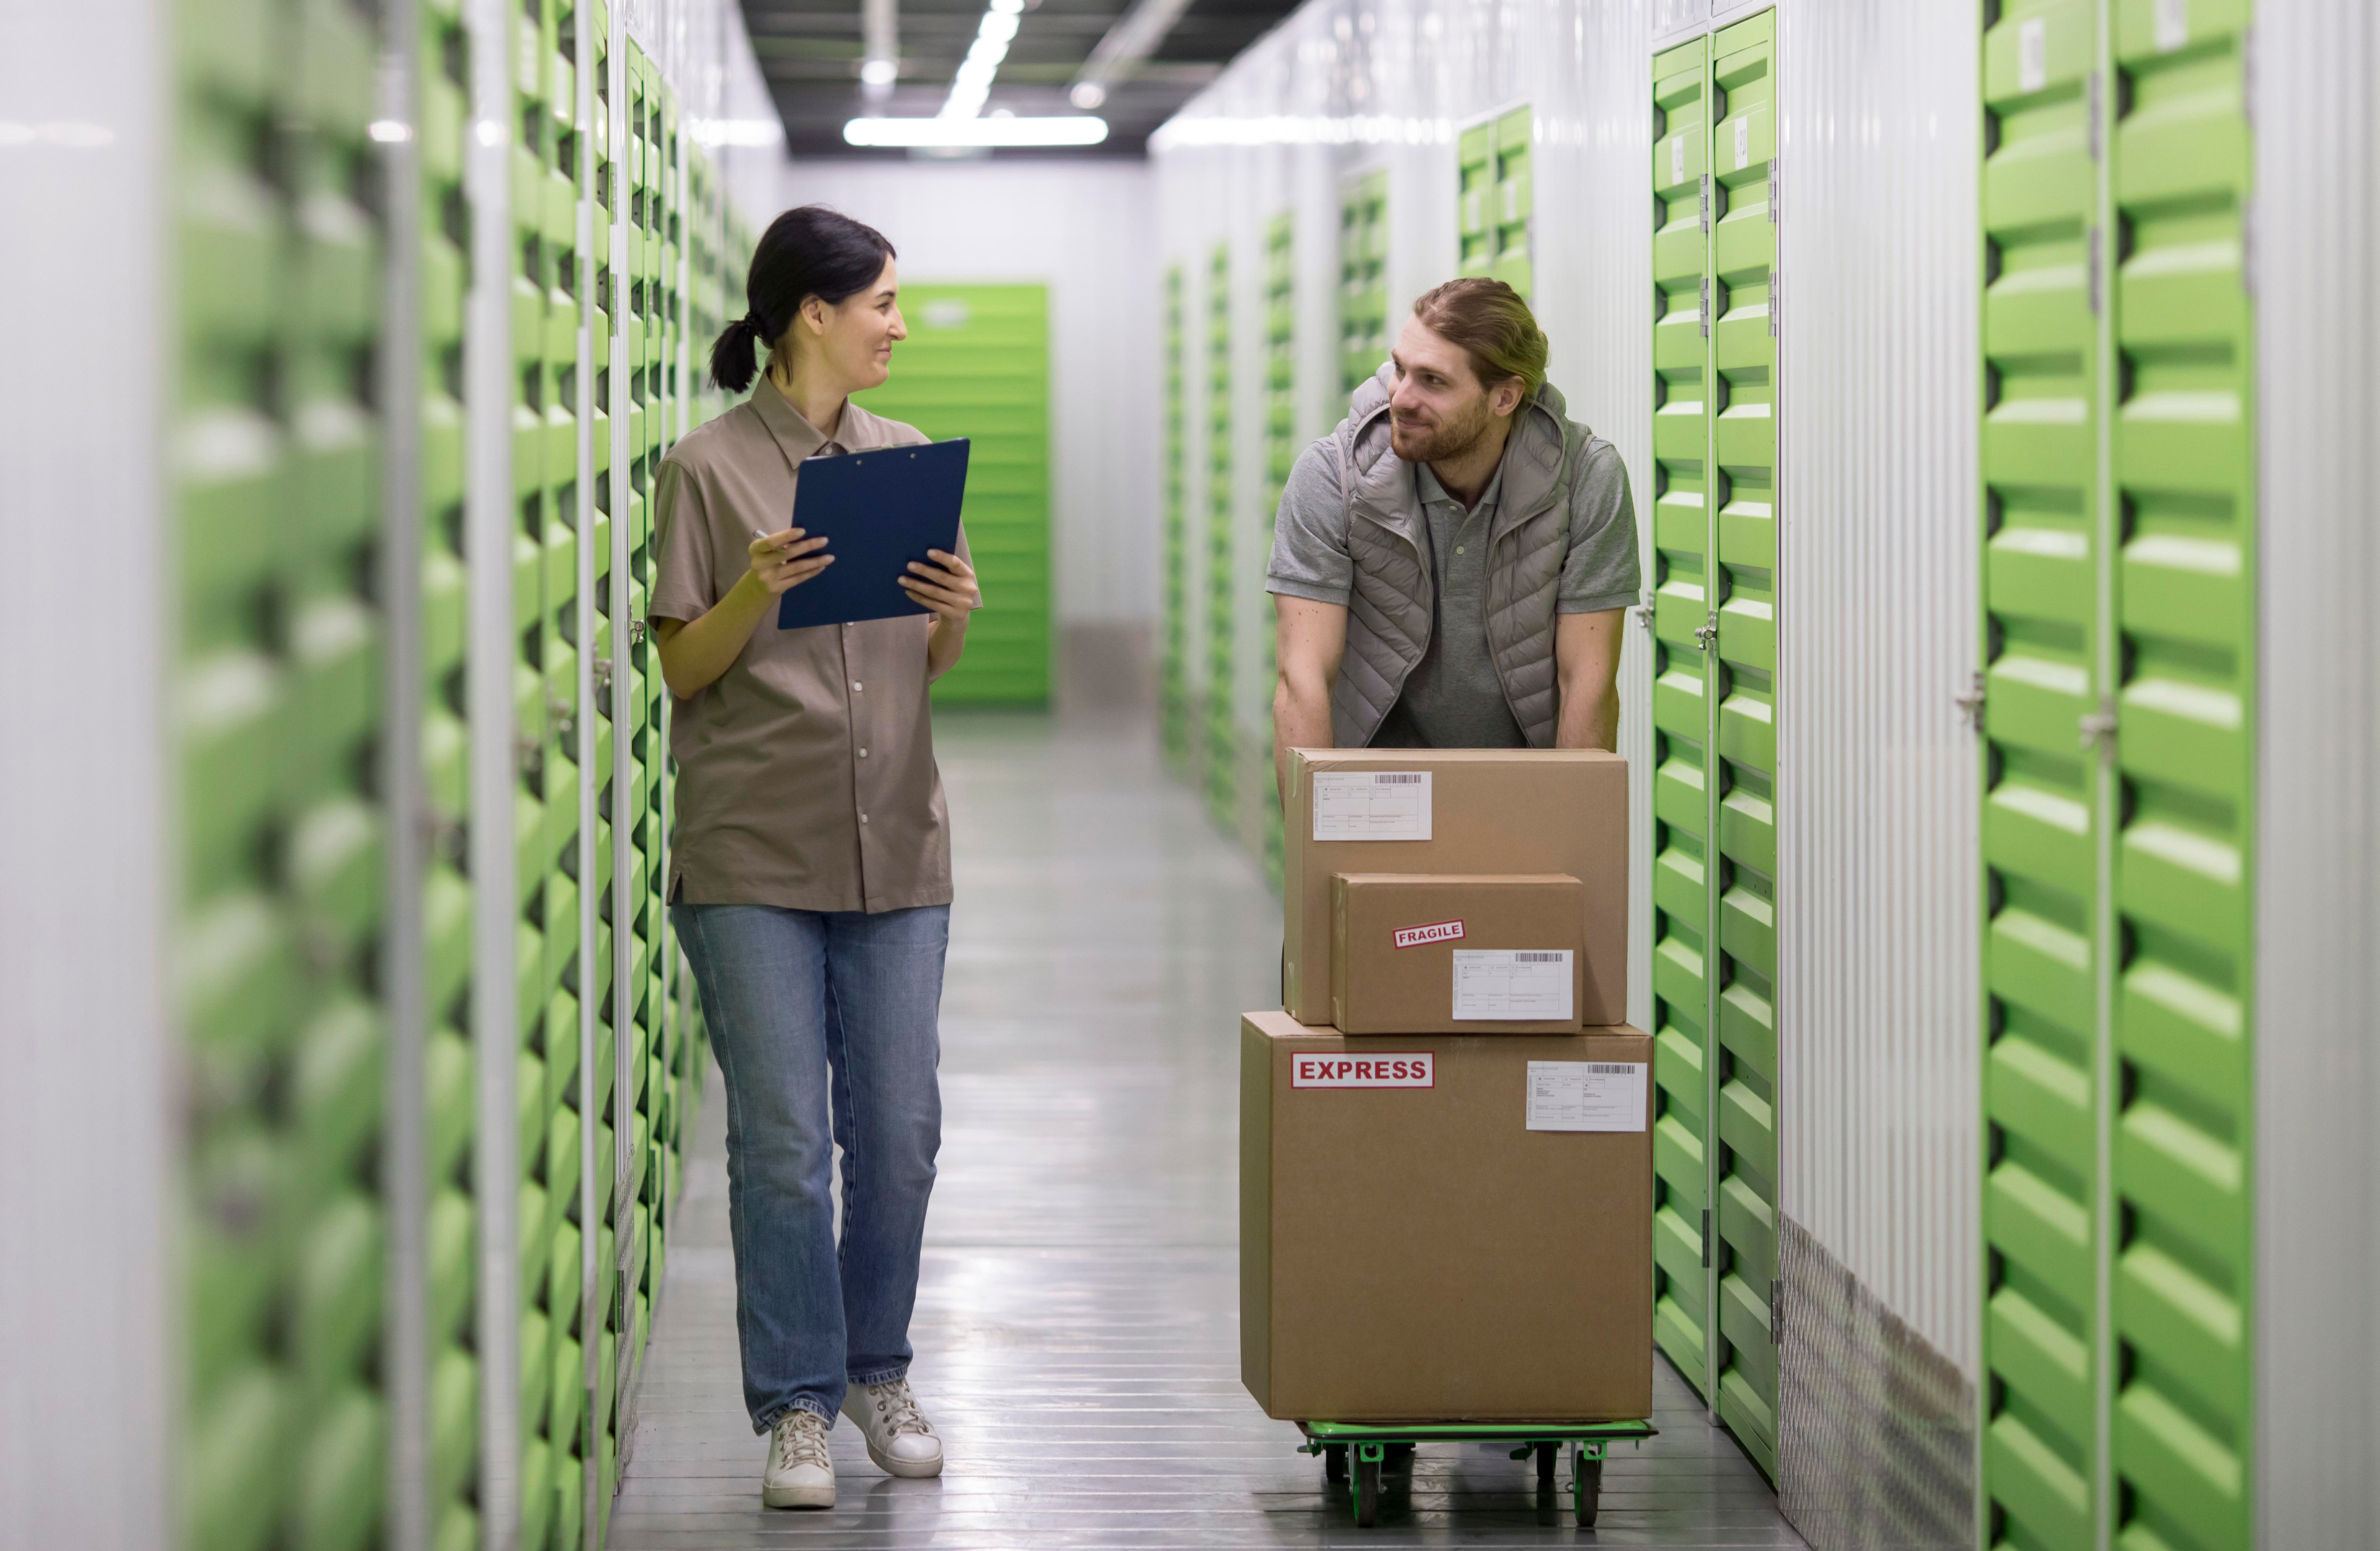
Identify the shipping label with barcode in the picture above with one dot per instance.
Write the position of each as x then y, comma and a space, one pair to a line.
1586, 1095
1511, 983
1371, 805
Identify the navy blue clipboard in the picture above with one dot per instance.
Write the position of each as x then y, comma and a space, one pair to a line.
878, 511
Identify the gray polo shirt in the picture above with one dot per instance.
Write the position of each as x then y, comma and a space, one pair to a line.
1452, 698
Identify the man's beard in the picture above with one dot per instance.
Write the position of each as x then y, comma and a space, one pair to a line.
1444, 442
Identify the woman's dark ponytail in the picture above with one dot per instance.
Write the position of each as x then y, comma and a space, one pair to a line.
810, 251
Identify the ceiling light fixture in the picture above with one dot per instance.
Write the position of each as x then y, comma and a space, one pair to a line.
972, 86
955, 133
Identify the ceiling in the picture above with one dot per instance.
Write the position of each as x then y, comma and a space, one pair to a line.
810, 50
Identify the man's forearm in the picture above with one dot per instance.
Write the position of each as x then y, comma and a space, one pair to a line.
1301, 719
1590, 717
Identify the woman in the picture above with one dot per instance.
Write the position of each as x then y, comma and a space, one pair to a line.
810, 864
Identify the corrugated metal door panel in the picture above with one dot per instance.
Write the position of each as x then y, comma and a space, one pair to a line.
2317, 790
1174, 710
1222, 740
1514, 196
1280, 456
1684, 1068
2040, 495
2185, 577
1743, 775
976, 364
1475, 198
1362, 278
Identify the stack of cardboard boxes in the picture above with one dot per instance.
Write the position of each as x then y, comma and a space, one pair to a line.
1446, 1165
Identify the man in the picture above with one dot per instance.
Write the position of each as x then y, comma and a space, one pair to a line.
1451, 566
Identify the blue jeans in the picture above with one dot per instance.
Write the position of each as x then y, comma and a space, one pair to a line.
824, 1018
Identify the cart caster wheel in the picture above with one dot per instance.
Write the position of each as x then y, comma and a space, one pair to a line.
1587, 1486
1546, 1456
1334, 1464
1368, 1493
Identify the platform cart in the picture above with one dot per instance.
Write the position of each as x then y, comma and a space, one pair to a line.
1356, 1454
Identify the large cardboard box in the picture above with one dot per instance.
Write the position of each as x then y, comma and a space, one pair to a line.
1456, 952
1417, 1245
1473, 810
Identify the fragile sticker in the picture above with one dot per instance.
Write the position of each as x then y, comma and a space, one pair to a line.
1586, 1095
1392, 1069
1511, 984
1371, 805
1436, 932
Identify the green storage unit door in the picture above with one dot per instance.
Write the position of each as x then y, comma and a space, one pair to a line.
1743, 775
1494, 198
2042, 525
1221, 727
2182, 548
1281, 455
976, 364
277, 659
1474, 157
1513, 197
1172, 670
1362, 278
1681, 669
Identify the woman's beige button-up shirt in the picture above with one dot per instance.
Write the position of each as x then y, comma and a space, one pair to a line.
806, 774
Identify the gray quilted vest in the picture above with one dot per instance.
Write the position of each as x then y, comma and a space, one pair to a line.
1387, 537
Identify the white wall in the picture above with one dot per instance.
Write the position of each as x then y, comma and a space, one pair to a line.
1087, 231
2317, 1297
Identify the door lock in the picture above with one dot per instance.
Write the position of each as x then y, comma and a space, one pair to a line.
1706, 633
1970, 703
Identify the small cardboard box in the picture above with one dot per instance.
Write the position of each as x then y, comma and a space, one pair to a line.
1421, 953
1455, 811
1430, 1232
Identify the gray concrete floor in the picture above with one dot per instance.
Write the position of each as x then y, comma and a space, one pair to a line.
1077, 1325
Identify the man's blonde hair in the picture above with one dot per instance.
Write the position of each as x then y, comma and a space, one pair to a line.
1494, 326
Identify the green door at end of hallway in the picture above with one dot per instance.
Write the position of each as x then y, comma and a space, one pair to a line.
976, 364
1714, 625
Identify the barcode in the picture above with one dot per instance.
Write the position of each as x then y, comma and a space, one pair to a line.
1539, 957
1401, 778
1611, 1069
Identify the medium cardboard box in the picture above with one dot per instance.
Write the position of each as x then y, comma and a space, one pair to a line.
1412, 1249
1456, 952
1474, 811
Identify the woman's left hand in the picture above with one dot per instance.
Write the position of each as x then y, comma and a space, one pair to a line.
947, 586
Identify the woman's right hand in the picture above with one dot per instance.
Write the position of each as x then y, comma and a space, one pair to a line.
782, 561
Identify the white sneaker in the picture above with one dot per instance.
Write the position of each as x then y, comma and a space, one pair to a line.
900, 1439
801, 1472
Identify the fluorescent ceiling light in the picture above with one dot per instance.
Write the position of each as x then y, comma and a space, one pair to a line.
962, 133
972, 86
879, 72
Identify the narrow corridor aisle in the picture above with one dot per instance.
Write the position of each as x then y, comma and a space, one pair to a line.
1077, 1325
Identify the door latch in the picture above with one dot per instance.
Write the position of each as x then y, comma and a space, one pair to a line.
1706, 306
1644, 612
2098, 729
1706, 633
1971, 703
1707, 205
